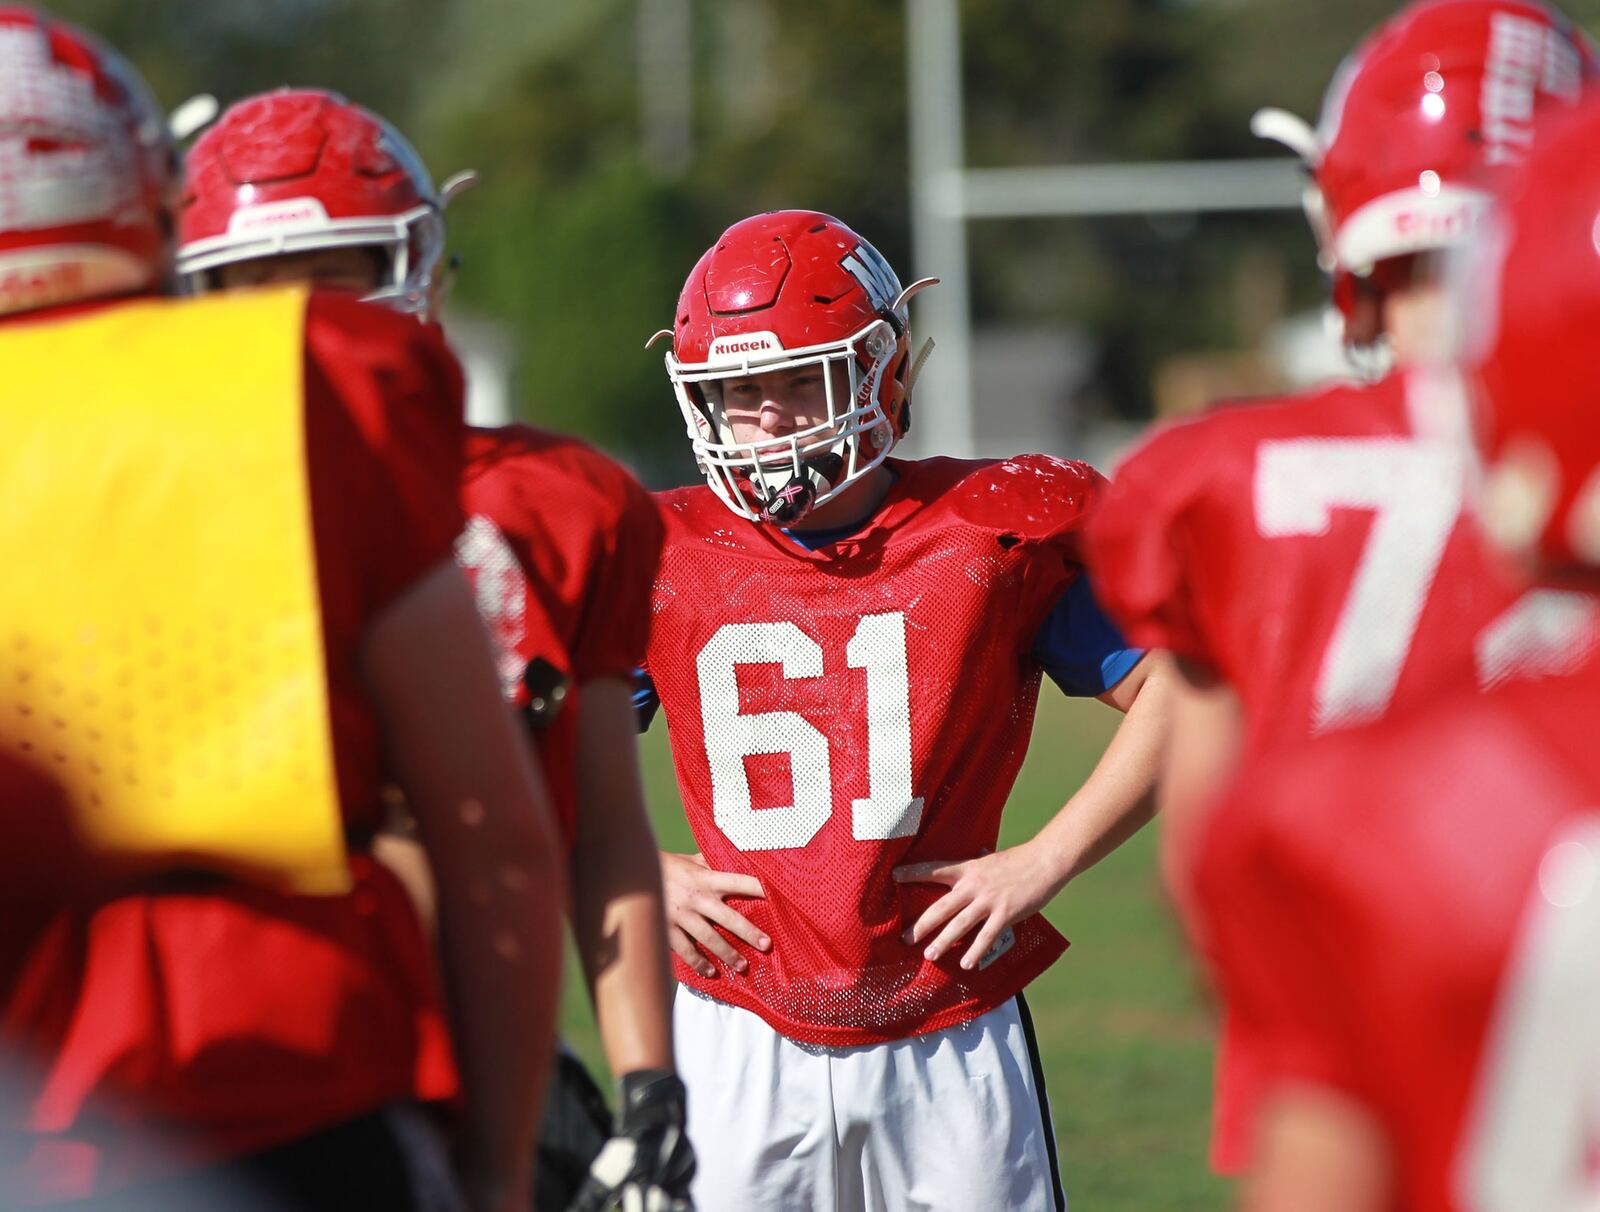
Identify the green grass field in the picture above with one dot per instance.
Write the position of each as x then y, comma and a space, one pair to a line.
1125, 1034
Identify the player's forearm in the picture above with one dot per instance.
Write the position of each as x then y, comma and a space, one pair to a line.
618, 917
1196, 764
620, 930
483, 815
501, 960
623, 947
1118, 797
1318, 1151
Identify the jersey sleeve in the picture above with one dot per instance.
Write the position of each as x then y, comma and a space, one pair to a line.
1048, 502
385, 402
615, 625
1139, 541
1080, 648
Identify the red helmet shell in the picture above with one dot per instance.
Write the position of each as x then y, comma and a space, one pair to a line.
1535, 294
302, 169
1424, 111
785, 280
86, 168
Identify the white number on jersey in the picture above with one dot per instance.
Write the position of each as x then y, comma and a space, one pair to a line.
889, 810
1545, 633
1414, 491
1535, 1124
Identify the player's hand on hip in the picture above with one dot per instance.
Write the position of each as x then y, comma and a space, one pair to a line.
986, 895
695, 908
647, 1165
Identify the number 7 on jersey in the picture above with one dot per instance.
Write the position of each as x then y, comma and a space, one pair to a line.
1414, 491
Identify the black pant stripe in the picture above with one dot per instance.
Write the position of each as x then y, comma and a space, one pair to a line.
1032, 1041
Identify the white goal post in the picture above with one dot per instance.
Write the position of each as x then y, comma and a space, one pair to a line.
946, 195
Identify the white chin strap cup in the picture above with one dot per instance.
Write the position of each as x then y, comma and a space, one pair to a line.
193, 116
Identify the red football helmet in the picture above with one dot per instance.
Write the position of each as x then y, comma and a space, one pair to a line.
86, 169
1530, 300
1417, 120
779, 290
302, 169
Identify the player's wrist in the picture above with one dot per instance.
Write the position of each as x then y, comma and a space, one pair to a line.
1053, 866
648, 1098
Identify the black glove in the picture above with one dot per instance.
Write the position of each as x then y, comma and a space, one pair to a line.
646, 1166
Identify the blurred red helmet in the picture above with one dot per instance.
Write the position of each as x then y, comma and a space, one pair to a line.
1530, 302
780, 290
299, 170
86, 169
1418, 119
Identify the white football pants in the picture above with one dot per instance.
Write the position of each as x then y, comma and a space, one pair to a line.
952, 1121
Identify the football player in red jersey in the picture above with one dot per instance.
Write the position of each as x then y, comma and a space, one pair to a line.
194, 1034
1408, 914
561, 544
848, 648
1306, 558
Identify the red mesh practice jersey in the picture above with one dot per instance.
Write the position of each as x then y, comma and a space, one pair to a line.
240, 1015
562, 545
837, 713
1409, 913
1312, 552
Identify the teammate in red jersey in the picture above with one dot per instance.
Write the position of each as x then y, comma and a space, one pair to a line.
848, 650
1406, 919
561, 544
193, 1034
1306, 558
1408, 916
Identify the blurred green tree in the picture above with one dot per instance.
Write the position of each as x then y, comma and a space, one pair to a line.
580, 236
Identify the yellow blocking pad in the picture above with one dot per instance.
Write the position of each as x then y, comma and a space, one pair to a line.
161, 647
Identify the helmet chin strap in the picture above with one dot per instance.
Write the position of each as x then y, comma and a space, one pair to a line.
791, 501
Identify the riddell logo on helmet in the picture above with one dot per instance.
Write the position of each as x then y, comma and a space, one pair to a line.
291, 212
27, 286
1436, 226
745, 343
39, 277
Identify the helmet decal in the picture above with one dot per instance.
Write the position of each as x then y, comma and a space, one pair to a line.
1526, 57
867, 266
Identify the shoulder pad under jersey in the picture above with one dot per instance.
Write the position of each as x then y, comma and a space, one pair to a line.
1033, 496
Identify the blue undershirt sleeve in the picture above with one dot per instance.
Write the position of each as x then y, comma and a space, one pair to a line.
1080, 648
